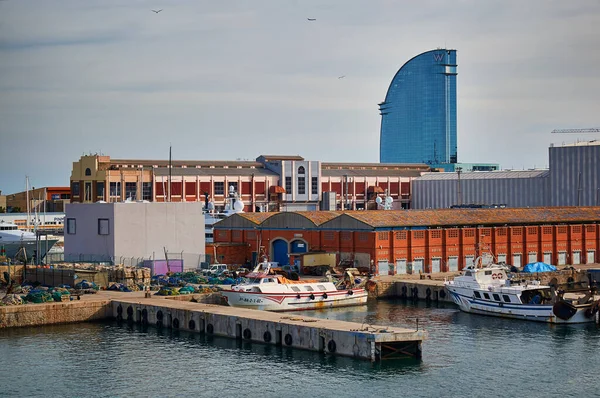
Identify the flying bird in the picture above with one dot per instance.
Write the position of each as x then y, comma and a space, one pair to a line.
312, 19
157, 11
341, 77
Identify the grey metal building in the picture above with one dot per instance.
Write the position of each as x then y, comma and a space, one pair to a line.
511, 188
573, 179
575, 174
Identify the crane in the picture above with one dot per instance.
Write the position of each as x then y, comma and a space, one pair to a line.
578, 131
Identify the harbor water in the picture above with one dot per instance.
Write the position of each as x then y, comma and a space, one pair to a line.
465, 355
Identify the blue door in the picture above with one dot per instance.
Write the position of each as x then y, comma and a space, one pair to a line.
299, 246
280, 252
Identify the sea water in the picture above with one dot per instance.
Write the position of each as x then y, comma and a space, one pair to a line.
465, 355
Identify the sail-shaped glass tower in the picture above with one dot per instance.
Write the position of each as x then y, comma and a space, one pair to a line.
418, 116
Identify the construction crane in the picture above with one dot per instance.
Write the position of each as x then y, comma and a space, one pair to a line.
577, 131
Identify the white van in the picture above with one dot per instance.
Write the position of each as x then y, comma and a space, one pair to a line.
216, 269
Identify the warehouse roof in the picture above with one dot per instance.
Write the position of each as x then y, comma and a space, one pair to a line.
386, 219
480, 175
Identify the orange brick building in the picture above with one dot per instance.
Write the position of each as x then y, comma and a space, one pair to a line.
404, 241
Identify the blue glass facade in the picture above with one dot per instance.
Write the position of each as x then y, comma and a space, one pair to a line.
418, 116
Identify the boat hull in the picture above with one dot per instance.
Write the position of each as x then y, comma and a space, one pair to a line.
536, 313
12, 248
291, 302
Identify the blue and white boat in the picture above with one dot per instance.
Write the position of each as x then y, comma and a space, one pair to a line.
489, 291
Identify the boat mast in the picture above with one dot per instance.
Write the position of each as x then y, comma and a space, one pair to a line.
170, 173
27, 198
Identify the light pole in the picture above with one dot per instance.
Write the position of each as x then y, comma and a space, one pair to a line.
459, 193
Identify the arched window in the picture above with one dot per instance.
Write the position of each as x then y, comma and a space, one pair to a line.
301, 181
88, 172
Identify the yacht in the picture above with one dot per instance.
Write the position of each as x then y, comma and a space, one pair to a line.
488, 290
233, 205
14, 241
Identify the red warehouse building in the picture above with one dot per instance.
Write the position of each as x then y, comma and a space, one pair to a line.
405, 241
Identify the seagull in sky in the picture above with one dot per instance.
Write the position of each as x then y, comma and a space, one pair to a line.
157, 11
341, 77
312, 19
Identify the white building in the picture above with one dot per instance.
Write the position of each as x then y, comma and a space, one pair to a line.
129, 233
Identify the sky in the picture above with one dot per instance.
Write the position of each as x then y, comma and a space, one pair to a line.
231, 79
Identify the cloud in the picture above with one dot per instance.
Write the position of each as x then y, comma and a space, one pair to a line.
254, 77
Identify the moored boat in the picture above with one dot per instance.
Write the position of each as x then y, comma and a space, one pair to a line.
489, 291
16, 243
269, 292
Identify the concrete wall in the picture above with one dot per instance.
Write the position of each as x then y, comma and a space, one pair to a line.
137, 230
53, 313
145, 229
84, 240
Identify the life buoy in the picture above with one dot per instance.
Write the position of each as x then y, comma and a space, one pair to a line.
267, 336
350, 292
288, 339
192, 324
331, 346
247, 334
175, 323
210, 328
324, 295
312, 296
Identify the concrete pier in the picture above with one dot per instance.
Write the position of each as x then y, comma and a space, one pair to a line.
374, 343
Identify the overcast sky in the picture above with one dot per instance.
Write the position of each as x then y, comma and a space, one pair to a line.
236, 79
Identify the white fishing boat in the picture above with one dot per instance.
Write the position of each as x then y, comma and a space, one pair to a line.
265, 291
488, 290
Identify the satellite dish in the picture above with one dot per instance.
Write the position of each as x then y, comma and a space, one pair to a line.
378, 200
238, 206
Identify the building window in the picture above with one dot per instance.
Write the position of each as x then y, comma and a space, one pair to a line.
103, 226
577, 229
328, 235
65, 196
346, 235
219, 187
469, 233
453, 233
517, 232
419, 234
401, 235
100, 189
146, 191
75, 188
301, 185
115, 189
71, 226
501, 231
234, 185
383, 236
532, 230
436, 234
315, 186
288, 184
130, 190
301, 170
88, 172
55, 196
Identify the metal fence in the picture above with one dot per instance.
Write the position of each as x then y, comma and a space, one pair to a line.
190, 260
